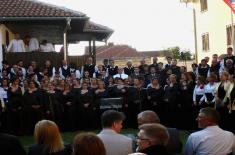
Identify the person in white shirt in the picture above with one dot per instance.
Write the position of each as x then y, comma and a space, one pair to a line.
31, 44
212, 140
115, 143
16, 45
46, 47
210, 90
20, 64
120, 74
199, 91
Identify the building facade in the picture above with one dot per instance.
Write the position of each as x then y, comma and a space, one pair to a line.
213, 27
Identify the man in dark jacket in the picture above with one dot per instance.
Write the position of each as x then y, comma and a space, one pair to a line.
174, 144
152, 139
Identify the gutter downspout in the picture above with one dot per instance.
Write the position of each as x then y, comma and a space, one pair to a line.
195, 34
68, 20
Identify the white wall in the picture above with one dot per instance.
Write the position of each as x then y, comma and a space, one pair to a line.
213, 21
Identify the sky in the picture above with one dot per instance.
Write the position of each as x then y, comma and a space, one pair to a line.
146, 25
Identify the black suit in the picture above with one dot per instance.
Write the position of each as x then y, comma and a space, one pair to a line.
174, 144
10, 145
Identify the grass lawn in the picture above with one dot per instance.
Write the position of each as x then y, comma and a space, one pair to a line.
68, 136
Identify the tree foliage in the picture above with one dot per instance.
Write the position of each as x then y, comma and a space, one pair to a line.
176, 53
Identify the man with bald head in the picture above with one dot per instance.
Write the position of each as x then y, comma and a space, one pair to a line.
174, 144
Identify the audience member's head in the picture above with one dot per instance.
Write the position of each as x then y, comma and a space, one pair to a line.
129, 63
146, 117
88, 144
112, 119
230, 51
155, 59
17, 35
44, 42
47, 134
105, 62
224, 76
142, 61
111, 62
174, 62
203, 62
229, 63
208, 117
215, 57
152, 134
173, 78
201, 80
89, 60
207, 59
120, 70
212, 77
169, 59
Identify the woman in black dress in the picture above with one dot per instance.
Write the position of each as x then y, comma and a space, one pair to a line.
171, 100
185, 106
100, 93
3, 104
86, 107
69, 108
33, 106
231, 106
154, 95
15, 108
222, 99
53, 104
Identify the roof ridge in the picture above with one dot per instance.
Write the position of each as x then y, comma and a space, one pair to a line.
104, 50
125, 49
57, 6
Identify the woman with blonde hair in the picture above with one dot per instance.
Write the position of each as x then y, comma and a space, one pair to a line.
48, 140
222, 98
88, 144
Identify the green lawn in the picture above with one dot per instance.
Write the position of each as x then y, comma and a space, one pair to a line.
68, 136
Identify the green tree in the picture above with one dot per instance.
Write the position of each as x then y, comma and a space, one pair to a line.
186, 55
175, 52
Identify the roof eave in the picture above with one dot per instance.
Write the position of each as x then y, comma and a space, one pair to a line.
41, 18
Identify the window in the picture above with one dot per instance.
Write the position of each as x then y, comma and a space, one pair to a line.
203, 5
229, 34
205, 42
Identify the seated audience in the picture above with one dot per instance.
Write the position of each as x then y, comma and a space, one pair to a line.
174, 144
48, 140
152, 139
211, 139
88, 144
10, 145
115, 143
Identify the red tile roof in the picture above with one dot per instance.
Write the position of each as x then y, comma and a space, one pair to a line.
33, 8
151, 53
116, 51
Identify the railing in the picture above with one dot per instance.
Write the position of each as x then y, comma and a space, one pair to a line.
41, 57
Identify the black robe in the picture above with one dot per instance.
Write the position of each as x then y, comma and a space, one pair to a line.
33, 115
15, 111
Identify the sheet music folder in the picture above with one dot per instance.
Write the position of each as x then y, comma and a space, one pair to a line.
111, 103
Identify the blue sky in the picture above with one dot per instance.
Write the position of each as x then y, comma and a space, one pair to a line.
144, 25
